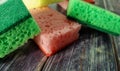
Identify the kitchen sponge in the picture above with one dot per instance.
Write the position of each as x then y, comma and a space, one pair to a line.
94, 17
38, 3
11, 11
17, 36
57, 31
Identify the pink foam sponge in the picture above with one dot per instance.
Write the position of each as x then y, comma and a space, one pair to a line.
57, 31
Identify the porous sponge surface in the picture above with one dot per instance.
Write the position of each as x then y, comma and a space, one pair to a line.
17, 36
94, 17
11, 12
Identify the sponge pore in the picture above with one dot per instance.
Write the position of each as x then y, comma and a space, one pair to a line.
94, 17
17, 36
11, 11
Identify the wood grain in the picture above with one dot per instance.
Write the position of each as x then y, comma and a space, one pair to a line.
26, 58
114, 6
93, 51
117, 50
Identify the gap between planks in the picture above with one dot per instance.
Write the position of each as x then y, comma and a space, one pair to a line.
41, 64
115, 51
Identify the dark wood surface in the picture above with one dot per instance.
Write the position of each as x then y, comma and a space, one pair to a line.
93, 51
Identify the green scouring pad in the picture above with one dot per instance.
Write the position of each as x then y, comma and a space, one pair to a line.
16, 26
94, 17
11, 11
17, 36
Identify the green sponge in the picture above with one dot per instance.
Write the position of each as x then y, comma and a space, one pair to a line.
11, 11
94, 17
17, 36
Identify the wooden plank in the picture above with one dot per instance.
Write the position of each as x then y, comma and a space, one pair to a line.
99, 3
116, 6
117, 49
27, 58
91, 52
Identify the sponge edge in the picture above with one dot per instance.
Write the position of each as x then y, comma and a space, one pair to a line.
30, 4
62, 6
94, 17
17, 36
11, 11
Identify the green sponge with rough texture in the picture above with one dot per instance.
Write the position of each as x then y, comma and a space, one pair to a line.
11, 12
94, 17
17, 36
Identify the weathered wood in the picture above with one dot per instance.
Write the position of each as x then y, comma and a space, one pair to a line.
26, 58
114, 6
91, 52
117, 50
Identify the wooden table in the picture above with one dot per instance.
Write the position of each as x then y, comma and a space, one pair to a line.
93, 51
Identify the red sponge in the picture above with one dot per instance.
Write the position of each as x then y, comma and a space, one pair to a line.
56, 30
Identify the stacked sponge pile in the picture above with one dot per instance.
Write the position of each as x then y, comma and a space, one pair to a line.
17, 24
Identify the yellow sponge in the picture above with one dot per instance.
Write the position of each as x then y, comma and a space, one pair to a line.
39, 3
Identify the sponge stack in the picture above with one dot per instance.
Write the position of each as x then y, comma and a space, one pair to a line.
17, 26
94, 17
